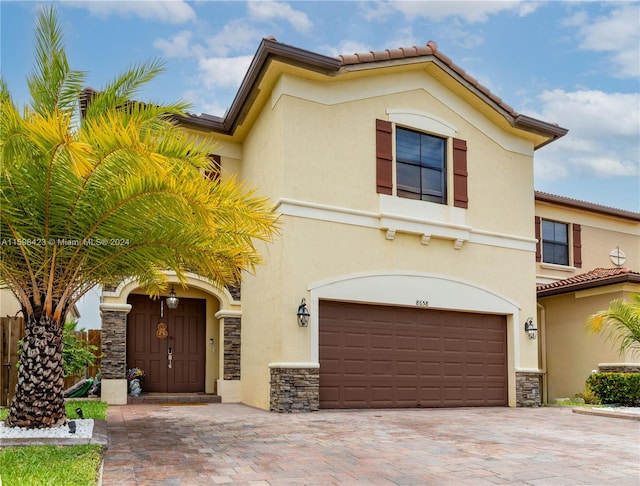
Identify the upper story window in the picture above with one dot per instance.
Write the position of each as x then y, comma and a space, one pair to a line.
555, 242
421, 169
558, 243
420, 165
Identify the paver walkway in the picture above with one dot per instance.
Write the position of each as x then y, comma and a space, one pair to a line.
234, 444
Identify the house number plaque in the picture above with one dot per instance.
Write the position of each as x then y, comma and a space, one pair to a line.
422, 303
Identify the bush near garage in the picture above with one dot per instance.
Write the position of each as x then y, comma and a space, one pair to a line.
622, 388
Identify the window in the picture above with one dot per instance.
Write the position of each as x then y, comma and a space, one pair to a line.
555, 242
420, 166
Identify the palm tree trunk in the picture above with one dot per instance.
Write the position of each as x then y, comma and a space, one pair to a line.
39, 398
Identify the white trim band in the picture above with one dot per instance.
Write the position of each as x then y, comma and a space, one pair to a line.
294, 365
227, 313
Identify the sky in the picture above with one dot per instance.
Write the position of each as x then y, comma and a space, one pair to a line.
576, 63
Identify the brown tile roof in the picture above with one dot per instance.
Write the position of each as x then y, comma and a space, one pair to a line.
270, 48
430, 49
588, 206
598, 277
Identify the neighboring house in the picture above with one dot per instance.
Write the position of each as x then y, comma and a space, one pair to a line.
588, 255
406, 196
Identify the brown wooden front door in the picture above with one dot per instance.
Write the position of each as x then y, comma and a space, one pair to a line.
149, 350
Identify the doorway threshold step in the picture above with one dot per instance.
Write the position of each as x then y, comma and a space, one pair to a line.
178, 398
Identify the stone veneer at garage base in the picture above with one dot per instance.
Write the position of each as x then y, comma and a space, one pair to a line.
297, 389
528, 389
294, 389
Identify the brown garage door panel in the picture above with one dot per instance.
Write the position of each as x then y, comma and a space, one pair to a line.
373, 357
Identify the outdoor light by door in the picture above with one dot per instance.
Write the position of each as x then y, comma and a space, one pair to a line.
303, 314
530, 328
172, 300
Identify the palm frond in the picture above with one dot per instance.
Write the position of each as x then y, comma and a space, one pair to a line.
52, 84
620, 322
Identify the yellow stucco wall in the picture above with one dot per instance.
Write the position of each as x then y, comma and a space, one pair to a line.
571, 351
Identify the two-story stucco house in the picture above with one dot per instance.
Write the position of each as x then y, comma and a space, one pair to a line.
587, 256
406, 196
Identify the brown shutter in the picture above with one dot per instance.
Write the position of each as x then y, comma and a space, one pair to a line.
577, 246
384, 157
213, 174
460, 198
539, 238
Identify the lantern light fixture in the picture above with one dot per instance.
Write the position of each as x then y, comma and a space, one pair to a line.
303, 314
172, 300
530, 328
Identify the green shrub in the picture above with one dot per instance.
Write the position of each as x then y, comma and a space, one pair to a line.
622, 388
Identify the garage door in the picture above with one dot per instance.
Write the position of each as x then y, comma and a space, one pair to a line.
381, 357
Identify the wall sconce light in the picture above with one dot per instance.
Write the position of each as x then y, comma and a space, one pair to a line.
172, 300
530, 328
303, 314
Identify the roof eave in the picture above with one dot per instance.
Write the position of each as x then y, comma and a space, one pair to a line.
586, 206
550, 130
267, 50
617, 279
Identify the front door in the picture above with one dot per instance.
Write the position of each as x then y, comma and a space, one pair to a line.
167, 344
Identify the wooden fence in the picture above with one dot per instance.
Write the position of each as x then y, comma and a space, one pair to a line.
11, 332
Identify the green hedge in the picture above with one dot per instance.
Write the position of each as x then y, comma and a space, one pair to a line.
622, 388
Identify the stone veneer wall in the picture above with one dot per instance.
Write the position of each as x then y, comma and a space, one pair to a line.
235, 291
232, 331
528, 389
113, 336
619, 368
295, 390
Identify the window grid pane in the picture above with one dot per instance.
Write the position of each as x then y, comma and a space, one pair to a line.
420, 166
555, 242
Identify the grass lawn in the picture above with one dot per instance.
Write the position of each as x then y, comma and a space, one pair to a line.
54, 465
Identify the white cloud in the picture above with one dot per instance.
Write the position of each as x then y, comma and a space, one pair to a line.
223, 72
345, 47
617, 33
594, 113
269, 10
178, 46
469, 11
169, 11
405, 38
603, 137
234, 36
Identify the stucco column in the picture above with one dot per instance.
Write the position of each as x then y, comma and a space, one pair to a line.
114, 347
231, 330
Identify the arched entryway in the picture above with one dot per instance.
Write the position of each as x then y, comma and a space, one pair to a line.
168, 344
203, 334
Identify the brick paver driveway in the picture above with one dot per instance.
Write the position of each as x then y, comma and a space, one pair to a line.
235, 444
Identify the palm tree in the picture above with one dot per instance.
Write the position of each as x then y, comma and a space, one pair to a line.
621, 322
116, 193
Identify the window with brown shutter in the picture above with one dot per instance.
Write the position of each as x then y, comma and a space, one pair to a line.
421, 165
384, 157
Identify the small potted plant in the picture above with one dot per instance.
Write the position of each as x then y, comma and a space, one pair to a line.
134, 377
